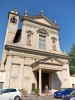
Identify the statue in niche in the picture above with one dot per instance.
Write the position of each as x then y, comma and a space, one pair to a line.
54, 39
54, 45
29, 39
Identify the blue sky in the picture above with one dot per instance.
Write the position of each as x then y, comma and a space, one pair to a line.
63, 11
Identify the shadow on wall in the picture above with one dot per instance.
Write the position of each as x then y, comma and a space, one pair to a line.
57, 82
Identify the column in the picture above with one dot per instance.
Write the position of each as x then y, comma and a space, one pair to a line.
40, 81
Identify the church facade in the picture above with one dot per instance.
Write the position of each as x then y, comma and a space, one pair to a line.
32, 57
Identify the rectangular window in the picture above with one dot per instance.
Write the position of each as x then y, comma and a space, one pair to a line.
42, 42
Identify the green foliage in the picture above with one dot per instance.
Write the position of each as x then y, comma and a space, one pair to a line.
23, 90
36, 91
72, 70
72, 59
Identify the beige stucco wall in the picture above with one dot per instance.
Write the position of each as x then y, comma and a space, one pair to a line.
35, 37
24, 75
2, 76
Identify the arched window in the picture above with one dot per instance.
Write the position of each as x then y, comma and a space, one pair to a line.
13, 20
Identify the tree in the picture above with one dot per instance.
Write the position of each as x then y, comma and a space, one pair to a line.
72, 59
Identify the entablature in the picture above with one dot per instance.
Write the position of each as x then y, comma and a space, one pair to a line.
34, 51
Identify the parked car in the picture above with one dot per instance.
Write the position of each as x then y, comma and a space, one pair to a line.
73, 98
70, 96
10, 94
1, 90
63, 92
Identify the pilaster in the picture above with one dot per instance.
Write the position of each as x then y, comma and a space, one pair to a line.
8, 71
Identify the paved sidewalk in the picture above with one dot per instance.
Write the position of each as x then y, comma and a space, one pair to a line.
33, 97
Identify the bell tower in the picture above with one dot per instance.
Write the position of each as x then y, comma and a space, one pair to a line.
13, 20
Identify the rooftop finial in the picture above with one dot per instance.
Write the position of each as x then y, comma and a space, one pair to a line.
55, 22
14, 11
42, 12
64, 52
26, 13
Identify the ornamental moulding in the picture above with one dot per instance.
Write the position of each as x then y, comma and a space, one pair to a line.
29, 25
54, 38
43, 31
37, 26
29, 32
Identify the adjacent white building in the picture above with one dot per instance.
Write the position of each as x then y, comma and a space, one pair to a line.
32, 57
73, 80
2, 77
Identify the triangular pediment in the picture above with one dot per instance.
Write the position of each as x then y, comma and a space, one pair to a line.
48, 61
44, 20
41, 20
53, 61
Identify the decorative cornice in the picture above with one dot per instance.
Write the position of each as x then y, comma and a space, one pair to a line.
54, 69
50, 63
13, 14
29, 32
33, 51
